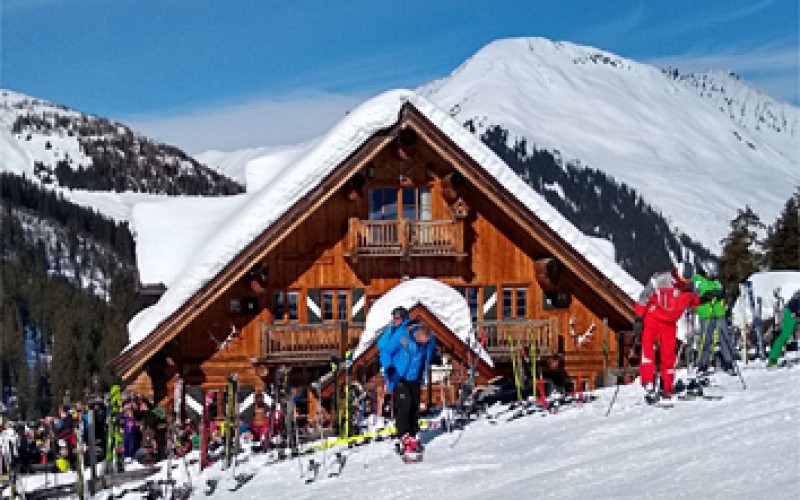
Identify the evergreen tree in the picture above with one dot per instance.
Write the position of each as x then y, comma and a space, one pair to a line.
783, 242
741, 255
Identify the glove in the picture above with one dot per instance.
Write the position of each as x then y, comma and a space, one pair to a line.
638, 326
390, 371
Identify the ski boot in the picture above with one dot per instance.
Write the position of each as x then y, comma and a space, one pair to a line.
650, 395
412, 451
694, 388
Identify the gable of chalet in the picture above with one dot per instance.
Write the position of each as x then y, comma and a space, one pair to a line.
479, 167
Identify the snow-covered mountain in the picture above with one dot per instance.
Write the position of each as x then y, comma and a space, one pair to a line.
62, 148
696, 147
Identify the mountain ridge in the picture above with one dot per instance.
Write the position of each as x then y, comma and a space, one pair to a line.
635, 122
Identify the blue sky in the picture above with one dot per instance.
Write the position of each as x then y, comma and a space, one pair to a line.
232, 74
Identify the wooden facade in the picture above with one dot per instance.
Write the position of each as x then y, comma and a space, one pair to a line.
407, 203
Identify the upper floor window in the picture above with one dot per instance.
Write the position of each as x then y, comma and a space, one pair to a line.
284, 305
335, 305
409, 203
515, 302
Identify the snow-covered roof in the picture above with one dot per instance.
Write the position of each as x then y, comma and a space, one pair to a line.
165, 245
441, 300
294, 181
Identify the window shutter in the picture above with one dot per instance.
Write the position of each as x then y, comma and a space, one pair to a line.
193, 398
489, 302
246, 397
358, 311
313, 311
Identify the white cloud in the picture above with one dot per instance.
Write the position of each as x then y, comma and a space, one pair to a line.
257, 122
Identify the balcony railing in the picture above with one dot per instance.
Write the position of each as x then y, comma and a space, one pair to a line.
308, 343
405, 238
503, 336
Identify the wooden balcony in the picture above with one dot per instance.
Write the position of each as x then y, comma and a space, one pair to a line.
405, 238
307, 344
502, 336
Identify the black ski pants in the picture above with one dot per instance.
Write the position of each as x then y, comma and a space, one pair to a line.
406, 407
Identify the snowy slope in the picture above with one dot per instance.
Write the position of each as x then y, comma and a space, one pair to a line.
19, 151
38, 137
673, 143
742, 447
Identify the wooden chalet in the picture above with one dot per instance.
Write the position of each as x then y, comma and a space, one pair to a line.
409, 200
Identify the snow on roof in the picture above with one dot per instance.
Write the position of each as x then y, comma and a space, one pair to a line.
165, 245
294, 181
442, 301
765, 284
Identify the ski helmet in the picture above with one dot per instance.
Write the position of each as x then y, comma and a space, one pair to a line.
710, 268
400, 311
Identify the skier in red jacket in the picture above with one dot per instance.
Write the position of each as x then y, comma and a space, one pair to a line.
660, 305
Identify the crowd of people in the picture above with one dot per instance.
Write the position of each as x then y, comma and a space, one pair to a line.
52, 443
661, 304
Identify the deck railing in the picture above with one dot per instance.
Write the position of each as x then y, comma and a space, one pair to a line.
405, 238
502, 336
308, 342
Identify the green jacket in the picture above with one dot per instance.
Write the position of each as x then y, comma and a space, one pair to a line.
712, 304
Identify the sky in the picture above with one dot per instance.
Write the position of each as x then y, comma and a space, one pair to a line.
205, 74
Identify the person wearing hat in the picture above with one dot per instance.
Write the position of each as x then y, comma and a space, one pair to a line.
662, 302
406, 356
399, 322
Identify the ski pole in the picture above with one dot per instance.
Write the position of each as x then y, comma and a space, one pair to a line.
613, 398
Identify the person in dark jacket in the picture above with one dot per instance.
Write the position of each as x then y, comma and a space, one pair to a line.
406, 356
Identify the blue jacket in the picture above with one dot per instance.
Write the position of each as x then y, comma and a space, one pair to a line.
410, 359
389, 332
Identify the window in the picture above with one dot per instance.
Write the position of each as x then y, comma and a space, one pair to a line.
522, 302
327, 305
515, 302
291, 309
342, 305
470, 294
335, 305
508, 302
284, 306
383, 204
278, 305
390, 203
416, 203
